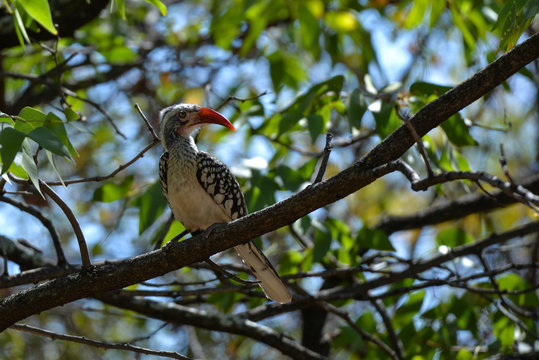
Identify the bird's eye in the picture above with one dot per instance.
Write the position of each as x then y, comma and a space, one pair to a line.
182, 114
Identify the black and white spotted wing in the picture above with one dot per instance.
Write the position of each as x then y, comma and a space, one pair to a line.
221, 185
163, 168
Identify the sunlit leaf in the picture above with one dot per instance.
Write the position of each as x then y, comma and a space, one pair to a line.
158, 4
39, 10
453, 237
416, 14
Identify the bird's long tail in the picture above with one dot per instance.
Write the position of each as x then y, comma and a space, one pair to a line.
260, 266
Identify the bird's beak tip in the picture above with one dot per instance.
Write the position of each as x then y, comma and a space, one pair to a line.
213, 117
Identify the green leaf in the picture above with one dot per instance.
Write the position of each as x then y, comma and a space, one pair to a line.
110, 191
48, 140
121, 8
151, 205
29, 164
405, 313
53, 165
457, 132
416, 14
315, 124
30, 119
56, 125
285, 70
386, 120
157, 3
175, 229
20, 30
309, 28
454, 237
513, 19
70, 114
504, 330
322, 243
426, 89
374, 239
40, 11
5, 118
309, 102
341, 21
11, 141
357, 107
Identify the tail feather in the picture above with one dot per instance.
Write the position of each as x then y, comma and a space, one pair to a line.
260, 266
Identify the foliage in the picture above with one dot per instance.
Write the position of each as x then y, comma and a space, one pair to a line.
285, 73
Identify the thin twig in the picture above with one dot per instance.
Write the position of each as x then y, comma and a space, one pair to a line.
416, 138
46, 223
230, 98
364, 334
325, 158
85, 257
112, 174
98, 107
147, 122
95, 343
217, 269
395, 341
503, 163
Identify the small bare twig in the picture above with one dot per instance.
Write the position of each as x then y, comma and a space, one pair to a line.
46, 223
163, 232
422, 151
147, 122
112, 174
395, 341
98, 107
85, 257
219, 270
325, 158
364, 334
503, 163
95, 343
519, 193
230, 98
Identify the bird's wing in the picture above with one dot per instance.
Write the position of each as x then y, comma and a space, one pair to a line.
224, 189
163, 168
221, 185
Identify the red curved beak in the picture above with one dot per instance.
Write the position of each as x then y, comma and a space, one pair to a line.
210, 116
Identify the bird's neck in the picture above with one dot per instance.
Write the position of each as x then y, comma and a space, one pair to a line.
183, 152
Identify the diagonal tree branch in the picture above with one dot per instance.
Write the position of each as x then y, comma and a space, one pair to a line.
233, 324
118, 274
456, 209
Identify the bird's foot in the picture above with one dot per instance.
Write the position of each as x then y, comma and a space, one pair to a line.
211, 229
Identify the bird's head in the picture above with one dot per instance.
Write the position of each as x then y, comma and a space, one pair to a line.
183, 119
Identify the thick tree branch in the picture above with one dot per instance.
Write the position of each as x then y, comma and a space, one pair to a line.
117, 274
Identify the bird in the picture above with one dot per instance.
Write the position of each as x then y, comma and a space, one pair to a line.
201, 190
